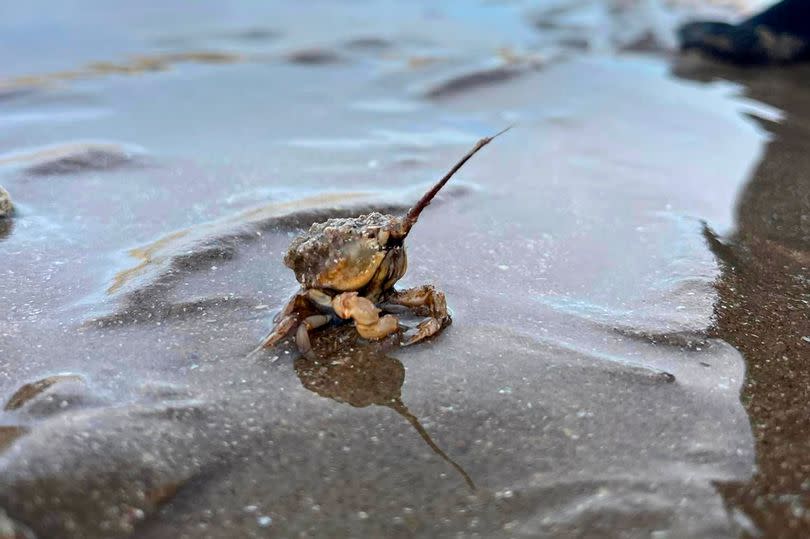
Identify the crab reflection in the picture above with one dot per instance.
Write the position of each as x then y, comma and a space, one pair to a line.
361, 374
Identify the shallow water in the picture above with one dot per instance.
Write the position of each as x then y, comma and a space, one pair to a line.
589, 385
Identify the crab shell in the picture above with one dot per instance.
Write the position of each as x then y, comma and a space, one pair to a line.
363, 254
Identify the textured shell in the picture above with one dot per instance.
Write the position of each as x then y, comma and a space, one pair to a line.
341, 254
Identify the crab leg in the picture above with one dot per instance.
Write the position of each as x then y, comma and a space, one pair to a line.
366, 316
424, 301
286, 320
320, 299
302, 335
280, 331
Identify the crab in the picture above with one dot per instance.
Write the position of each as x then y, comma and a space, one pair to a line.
347, 269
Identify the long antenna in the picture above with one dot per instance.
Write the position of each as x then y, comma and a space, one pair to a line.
413, 214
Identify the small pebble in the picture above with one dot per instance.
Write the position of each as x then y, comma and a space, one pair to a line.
6, 207
264, 521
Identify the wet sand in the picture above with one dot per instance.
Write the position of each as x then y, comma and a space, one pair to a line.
762, 310
604, 262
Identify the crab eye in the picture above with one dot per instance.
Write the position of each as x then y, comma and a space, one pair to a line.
371, 235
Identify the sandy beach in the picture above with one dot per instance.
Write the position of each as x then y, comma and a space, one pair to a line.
626, 269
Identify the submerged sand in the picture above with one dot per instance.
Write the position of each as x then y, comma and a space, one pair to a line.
590, 383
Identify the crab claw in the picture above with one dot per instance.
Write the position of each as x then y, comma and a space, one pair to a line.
352, 305
384, 327
366, 316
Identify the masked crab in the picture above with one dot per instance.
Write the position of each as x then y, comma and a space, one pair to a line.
347, 269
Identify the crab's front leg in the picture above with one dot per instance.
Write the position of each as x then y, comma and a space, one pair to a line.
322, 302
366, 316
283, 327
300, 312
302, 335
424, 301
287, 319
